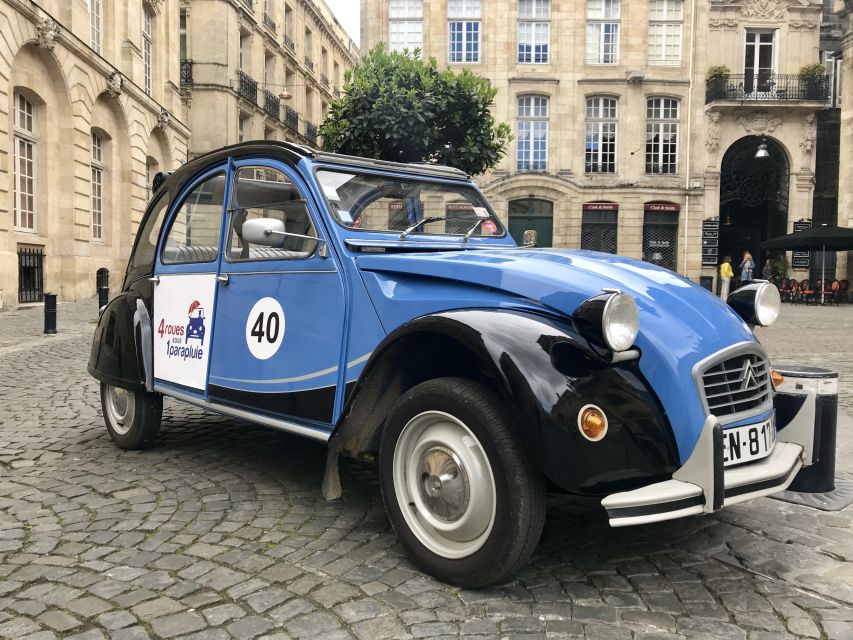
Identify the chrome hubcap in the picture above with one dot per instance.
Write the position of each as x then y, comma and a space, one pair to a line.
444, 484
120, 405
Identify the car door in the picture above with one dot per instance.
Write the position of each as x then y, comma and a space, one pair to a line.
280, 314
185, 293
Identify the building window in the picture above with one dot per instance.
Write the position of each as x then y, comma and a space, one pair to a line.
534, 31
97, 187
182, 34
602, 31
598, 226
96, 33
463, 29
244, 44
759, 60
666, 18
600, 139
660, 233
24, 179
662, 135
406, 25
241, 128
147, 49
532, 133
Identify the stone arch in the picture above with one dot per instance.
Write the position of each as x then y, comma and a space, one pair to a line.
109, 119
158, 156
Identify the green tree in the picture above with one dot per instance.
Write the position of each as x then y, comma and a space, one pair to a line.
397, 107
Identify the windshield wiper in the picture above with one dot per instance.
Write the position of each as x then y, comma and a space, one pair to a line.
410, 229
474, 228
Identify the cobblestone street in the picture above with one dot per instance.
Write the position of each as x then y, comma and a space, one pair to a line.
220, 531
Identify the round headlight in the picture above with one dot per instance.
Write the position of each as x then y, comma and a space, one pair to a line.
620, 322
767, 304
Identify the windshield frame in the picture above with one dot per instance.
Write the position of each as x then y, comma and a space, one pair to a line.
428, 180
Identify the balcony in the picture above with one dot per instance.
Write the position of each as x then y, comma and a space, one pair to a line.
311, 131
309, 64
324, 80
269, 23
289, 44
248, 88
186, 71
291, 118
272, 104
775, 87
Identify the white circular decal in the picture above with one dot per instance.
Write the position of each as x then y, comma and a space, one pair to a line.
265, 328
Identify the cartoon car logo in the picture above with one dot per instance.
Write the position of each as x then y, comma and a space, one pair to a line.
195, 326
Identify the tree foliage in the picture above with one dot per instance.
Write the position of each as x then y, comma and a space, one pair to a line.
397, 107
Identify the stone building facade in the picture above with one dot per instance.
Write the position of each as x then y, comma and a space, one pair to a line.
90, 111
260, 69
620, 143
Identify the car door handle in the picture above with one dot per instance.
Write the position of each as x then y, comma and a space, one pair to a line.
154, 279
223, 278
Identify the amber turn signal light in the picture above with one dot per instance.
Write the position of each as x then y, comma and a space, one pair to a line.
592, 423
777, 378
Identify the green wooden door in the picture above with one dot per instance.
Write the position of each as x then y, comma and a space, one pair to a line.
532, 214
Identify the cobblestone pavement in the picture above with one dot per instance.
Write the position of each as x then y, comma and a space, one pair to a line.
220, 532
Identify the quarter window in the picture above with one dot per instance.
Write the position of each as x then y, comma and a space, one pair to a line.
147, 49
24, 167
601, 131
532, 113
463, 30
194, 234
260, 192
602, 31
97, 187
662, 135
406, 25
666, 18
534, 31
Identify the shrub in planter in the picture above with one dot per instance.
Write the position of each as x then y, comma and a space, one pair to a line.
813, 77
715, 81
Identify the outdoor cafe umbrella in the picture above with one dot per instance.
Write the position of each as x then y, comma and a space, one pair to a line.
824, 238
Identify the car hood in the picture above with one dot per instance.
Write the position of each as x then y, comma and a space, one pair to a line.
681, 323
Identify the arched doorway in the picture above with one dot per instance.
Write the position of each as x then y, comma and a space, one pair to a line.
753, 199
532, 213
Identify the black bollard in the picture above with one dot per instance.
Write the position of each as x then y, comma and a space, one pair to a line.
103, 297
50, 313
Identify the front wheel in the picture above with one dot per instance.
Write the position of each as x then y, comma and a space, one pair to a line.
459, 489
132, 418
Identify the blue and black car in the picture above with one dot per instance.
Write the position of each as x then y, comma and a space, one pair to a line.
383, 308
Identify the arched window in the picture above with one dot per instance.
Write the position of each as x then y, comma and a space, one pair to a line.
662, 120
97, 187
24, 167
601, 131
532, 129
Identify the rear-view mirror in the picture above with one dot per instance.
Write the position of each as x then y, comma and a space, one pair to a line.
267, 232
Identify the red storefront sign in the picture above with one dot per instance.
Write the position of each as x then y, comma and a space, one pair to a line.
600, 206
662, 206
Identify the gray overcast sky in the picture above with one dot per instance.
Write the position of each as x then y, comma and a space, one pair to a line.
348, 13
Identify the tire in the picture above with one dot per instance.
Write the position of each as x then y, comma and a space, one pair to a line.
132, 418
458, 487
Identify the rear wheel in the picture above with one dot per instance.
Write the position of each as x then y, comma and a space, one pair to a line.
459, 489
132, 418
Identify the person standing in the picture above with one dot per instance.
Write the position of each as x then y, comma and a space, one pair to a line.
747, 266
726, 274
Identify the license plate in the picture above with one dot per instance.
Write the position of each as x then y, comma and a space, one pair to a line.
750, 442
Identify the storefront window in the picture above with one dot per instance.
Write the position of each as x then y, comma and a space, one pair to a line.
598, 226
660, 234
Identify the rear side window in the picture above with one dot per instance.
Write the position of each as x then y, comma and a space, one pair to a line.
146, 238
194, 233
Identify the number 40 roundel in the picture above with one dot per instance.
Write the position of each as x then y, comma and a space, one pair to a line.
265, 328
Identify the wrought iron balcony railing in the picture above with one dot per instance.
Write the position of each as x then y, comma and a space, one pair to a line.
311, 131
248, 87
291, 118
186, 71
324, 79
289, 43
269, 22
272, 104
765, 87
309, 64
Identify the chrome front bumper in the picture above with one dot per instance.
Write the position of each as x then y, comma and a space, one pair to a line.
704, 485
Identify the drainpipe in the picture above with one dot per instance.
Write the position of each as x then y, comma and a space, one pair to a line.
689, 136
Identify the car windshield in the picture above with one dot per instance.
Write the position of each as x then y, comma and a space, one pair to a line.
384, 203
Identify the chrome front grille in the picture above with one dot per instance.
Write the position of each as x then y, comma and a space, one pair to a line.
737, 385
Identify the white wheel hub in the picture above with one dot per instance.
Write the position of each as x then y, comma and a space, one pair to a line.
444, 484
120, 405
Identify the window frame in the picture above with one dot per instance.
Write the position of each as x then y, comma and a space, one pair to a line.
409, 13
595, 27
98, 172
667, 23
531, 119
599, 123
661, 123
96, 25
148, 50
24, 132
529, 32
174, 209
466, 28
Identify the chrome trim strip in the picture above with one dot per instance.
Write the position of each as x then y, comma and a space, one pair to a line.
284, 425
307, 376
276, 273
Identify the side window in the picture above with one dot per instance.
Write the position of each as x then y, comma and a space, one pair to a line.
260, 192
194, 234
